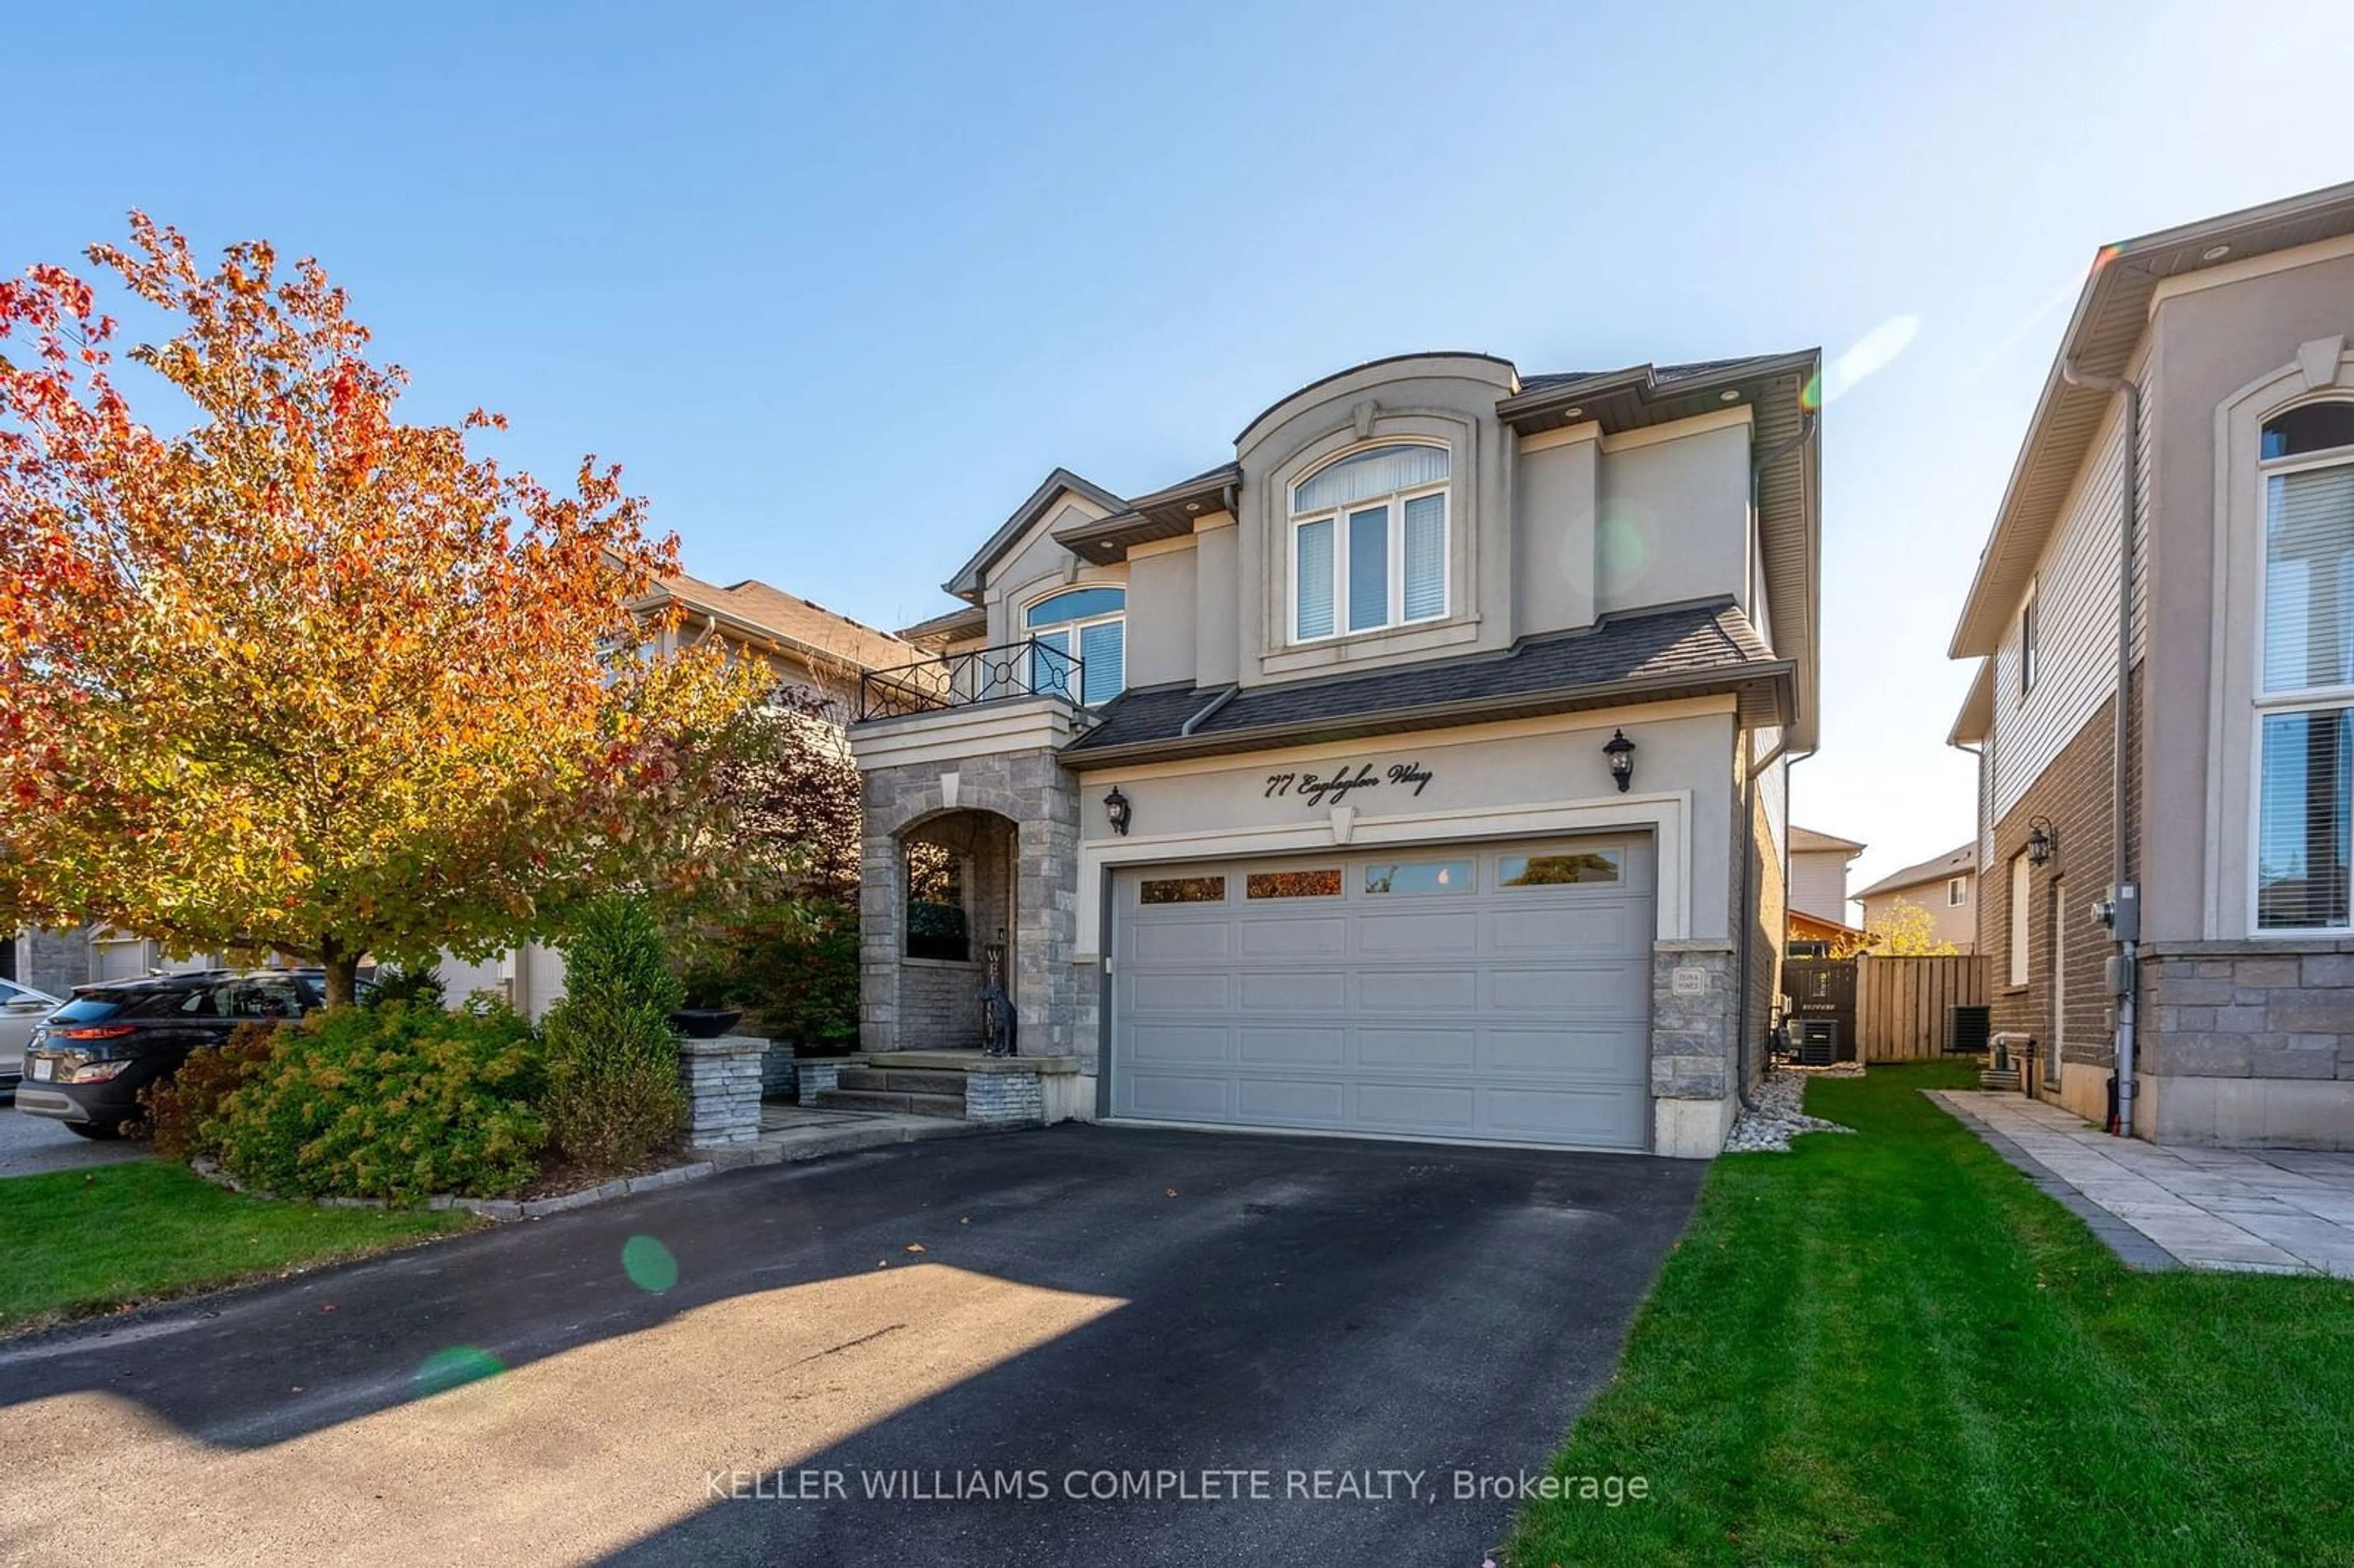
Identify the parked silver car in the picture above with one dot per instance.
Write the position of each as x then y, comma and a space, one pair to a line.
21, 1008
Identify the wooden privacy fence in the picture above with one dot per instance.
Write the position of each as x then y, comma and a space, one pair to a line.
1901, 1005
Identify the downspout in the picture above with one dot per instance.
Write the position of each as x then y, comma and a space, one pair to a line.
1749, 806
1748, 821
1788, 763
2125, 919
1214, 703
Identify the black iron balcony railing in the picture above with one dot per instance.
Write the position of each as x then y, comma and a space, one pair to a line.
1026, 668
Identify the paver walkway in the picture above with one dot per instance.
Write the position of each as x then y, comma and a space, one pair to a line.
2274, 1210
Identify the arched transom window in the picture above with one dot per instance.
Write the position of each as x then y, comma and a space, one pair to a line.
1369, 543
2305, 696
1083, 629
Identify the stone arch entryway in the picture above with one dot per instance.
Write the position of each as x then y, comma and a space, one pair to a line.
997, 838
954, 874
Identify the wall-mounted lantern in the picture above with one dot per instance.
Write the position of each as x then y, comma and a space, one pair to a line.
2043, 841
1621, 753
1116, 807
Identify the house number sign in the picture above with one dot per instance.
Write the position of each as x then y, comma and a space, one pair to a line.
1317, 790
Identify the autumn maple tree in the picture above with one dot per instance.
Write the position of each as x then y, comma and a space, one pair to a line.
303, 677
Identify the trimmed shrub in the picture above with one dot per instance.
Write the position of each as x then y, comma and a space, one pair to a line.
174, 1113
796, 971
613, 1090
398, 1101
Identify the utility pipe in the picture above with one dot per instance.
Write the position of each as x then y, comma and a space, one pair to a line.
2129, 513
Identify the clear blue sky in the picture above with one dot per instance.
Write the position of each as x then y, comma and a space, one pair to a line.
839, 285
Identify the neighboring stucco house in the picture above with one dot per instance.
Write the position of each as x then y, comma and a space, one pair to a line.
2203, 392
1944, 887
1417, 772
1818, 915
1819, 864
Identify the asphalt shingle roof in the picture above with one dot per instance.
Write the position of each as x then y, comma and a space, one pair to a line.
1707, 645
1952, 863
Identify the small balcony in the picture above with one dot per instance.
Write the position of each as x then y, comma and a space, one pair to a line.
1030, 668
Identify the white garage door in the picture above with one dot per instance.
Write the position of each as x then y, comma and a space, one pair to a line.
1472, 992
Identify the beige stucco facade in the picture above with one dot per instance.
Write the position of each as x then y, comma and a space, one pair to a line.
1557, 528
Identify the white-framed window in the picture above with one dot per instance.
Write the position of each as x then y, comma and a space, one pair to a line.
1369, 543
1083, 629
2021, 875
1958, 892
2305, 686
2029, 631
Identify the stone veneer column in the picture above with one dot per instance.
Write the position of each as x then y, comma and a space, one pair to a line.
1046, 905
723, 1089
1693, 1056
882, 897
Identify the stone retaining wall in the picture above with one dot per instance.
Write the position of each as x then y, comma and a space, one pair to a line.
1004, 1099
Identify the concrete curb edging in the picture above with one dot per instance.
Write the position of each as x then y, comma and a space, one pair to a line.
829, 1142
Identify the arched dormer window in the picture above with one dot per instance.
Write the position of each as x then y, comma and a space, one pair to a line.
1369, 543
1089, 624
2305, 694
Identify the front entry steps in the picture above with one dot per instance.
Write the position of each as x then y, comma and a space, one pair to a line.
917, 1091
956, 1085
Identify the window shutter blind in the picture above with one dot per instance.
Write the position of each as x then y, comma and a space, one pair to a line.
2310, 578
1315, 570
1369, 568
1377, 473
2302, 827
1103, 661
1426, 557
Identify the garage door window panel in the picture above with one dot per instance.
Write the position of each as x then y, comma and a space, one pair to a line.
1384, 878
1322, 882
1585, 868
1182, 890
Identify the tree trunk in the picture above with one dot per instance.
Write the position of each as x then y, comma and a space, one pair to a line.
342, 973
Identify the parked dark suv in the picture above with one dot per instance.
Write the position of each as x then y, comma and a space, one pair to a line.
88, 1061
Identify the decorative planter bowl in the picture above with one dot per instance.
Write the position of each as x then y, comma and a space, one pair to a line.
705, 1023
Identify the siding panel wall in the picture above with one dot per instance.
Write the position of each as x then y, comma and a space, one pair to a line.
2075, 606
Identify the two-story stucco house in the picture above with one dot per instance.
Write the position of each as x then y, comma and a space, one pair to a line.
2178, 534
1417, 772
1944, 887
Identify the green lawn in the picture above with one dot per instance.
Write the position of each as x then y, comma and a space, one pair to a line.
85, 1241
1889, 1348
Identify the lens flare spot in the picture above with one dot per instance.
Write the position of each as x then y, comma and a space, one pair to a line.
648, 1263
1622, 548
1873, 352
454, 1368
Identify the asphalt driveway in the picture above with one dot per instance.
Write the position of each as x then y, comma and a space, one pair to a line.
1076, 1346
31, 1144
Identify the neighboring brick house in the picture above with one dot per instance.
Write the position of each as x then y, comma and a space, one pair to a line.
1944, 887
2204, 395
805, 645
1416, 773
